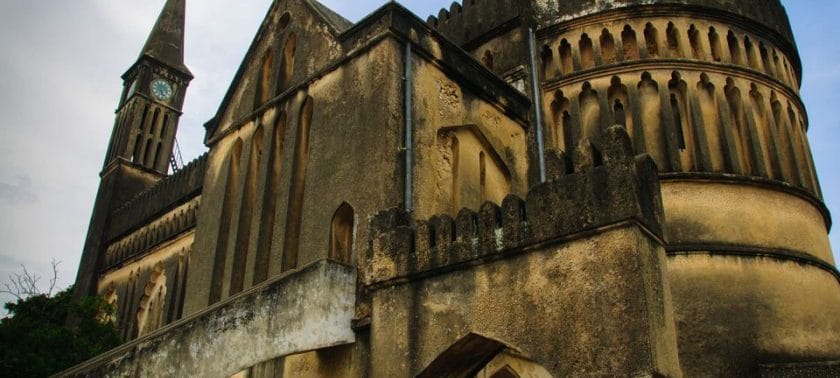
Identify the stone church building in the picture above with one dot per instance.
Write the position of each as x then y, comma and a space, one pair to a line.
510, 188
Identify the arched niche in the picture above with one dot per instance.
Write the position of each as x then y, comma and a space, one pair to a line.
342, 230
478, 172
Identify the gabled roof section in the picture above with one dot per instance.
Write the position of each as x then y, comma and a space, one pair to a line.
339, 24
166, 41
396, 20
335, 22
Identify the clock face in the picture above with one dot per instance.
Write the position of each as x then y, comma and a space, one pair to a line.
162, 90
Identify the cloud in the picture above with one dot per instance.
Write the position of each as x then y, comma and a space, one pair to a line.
19, 191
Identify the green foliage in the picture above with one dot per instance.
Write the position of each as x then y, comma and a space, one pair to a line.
36, 340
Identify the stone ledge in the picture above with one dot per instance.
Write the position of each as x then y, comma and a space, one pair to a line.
306, 309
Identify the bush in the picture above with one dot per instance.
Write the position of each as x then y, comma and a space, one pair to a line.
36, 340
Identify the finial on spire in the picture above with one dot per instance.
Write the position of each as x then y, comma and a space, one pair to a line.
166, 41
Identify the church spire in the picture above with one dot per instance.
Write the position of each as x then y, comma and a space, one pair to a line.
166, 41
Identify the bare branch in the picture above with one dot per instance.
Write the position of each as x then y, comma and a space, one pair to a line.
11, 289
25, 284
54, 278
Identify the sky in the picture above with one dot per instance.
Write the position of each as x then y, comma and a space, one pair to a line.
60, 68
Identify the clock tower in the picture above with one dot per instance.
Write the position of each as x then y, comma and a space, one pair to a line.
143, 137
153, 95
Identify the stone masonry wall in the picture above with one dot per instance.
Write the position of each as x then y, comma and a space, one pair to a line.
573, 276
589, 190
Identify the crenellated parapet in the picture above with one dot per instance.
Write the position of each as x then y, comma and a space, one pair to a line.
168, 193
592, 189
463, 22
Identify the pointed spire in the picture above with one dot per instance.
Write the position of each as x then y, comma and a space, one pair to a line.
166, 41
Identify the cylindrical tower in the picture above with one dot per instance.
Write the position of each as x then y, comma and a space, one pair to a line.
710, 89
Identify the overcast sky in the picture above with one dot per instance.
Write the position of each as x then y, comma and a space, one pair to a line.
60, 67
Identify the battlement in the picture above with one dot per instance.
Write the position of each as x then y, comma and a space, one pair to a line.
593, 189
166, 194
462, 23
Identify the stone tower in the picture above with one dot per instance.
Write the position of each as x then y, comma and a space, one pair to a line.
144, 132
710, 90
509, 188
154, 91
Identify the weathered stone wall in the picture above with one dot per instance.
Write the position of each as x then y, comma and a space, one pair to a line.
590, 306
338, 146
736, 312
711, 91
443, 109
575, 270
763, 256
324, 170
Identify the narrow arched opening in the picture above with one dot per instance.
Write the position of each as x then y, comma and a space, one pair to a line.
587, 55
694, 41
342, 229
714, 43
652, 40
566, 65
673, 41
607, 47
734, 48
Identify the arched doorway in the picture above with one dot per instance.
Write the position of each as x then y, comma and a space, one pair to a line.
476, 356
